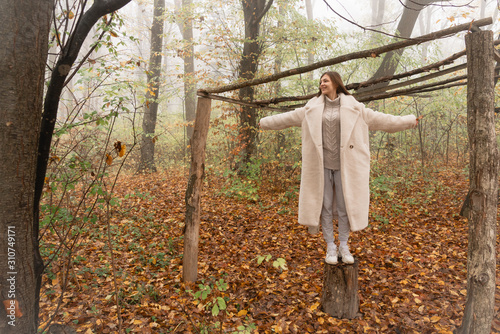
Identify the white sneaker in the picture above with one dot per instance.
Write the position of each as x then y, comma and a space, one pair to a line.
346, 255
331, 256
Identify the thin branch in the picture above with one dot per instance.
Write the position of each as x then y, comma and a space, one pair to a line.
431, 3
265, 10
87, 55
360, 26
68, 55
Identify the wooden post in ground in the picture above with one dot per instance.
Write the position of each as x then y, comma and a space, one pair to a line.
193, 191
480, 206
340, 297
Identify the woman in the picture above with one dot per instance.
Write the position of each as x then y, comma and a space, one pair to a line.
335, 160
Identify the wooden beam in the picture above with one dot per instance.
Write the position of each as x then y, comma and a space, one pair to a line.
434, 66
427, 68
243, 103
412, 91
193, 191
439, 87
407, 91
375, 52
412, 81
496, 55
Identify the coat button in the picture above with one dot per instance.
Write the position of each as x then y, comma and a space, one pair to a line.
351, 146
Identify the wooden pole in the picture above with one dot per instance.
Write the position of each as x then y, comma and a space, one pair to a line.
480, 206
193, 191
375, 52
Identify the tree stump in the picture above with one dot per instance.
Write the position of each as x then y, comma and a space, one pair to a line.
340, 297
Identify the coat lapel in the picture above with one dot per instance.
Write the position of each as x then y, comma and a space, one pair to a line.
348, 118
314, 117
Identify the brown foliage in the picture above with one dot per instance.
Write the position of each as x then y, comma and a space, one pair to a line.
412, 276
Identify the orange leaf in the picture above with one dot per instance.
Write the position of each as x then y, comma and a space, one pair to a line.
120, 148
435, 318
109, 159
314, 306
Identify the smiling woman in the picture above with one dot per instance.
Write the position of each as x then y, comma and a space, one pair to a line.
331, 85
336, 160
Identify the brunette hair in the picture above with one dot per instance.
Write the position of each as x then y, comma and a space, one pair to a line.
337, 80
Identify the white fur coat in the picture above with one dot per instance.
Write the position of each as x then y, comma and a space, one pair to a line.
355, 121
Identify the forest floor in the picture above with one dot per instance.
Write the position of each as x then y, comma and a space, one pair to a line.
412, 260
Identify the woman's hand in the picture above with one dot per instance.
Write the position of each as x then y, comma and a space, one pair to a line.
418, 119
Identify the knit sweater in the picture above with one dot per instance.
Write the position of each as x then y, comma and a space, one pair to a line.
331, 134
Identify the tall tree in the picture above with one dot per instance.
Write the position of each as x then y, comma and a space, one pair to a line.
280, 135
253, 11
378, 8
24, 37
26, 135
405, 27
147, 162
185, 22
310, 54
424, 21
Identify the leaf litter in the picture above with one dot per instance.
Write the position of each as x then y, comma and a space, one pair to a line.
412, 262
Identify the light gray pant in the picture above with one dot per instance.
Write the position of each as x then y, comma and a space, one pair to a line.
332, 179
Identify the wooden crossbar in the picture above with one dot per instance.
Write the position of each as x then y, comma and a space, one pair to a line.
374, 52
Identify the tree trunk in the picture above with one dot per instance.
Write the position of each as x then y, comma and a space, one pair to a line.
378, 8
185, 23
193, 191
147, 162
24, 38
424, 21
340, 297
480, 206
405, 27
254, 11
310, 55
33, 30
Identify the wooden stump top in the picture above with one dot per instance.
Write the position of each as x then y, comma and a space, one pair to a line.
340, 297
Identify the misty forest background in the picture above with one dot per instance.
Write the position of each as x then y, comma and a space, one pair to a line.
112, 211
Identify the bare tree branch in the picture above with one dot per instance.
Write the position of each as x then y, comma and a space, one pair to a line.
68, 56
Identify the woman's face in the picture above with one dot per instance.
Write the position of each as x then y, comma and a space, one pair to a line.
327, 87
